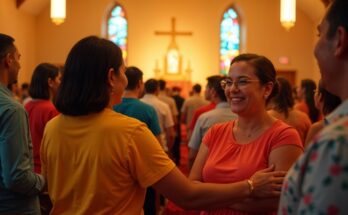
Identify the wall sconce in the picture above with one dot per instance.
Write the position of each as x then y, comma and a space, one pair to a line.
287, 13
58, 12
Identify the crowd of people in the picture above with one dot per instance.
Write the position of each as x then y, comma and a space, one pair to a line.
95, 138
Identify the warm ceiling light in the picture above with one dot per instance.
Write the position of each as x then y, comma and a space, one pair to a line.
58, 11
287, 13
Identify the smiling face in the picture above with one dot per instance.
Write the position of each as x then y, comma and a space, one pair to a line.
249, 98
324, 53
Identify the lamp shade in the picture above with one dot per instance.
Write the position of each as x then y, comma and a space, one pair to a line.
58, 11
287, 13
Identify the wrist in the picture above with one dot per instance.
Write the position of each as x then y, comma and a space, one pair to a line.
251, 186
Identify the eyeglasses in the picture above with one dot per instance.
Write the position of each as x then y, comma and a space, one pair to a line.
241, 82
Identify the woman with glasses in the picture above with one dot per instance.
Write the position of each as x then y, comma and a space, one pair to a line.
234, 151
282, 108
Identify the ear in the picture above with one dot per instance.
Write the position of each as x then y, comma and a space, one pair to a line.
50, 82
8, 60
341, 41
112, 78
139, 84
268, 88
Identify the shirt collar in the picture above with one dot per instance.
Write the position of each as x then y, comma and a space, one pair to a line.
222, 105
338, 113
5, 90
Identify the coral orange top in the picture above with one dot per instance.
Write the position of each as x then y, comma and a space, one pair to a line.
229, 161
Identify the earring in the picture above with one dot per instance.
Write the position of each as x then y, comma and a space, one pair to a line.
265, 97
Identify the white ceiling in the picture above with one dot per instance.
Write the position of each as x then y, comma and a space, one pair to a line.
313, 8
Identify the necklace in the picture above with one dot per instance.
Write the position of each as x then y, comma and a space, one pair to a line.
251, 133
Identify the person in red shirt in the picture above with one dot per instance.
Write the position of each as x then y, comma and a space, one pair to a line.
43, 88
44, 84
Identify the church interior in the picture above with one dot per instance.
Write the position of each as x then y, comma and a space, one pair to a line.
290, 50
188, 45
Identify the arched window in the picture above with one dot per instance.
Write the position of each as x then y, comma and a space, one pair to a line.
229, 39
118, 29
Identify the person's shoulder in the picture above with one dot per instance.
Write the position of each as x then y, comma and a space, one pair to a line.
9, 105
281, 128
332, 140
222, 126
336, 130
300, 115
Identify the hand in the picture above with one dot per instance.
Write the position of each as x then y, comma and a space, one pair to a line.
267, 182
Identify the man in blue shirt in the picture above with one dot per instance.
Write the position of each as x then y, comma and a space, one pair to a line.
133, 107
19, 185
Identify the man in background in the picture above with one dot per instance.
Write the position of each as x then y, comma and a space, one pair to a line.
19, 185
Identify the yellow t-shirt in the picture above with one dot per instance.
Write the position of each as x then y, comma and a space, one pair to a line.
100, 163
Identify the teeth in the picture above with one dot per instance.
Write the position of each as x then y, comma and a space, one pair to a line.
236, 99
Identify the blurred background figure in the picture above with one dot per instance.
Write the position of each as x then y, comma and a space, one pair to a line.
326, 102
190, 105
163, 96
306, 103
179, 101
25, 97
43, 89
282, 108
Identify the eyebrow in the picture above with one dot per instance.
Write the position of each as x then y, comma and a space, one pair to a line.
239, 77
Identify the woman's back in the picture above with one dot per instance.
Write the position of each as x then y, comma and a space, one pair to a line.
297, 119
105, 161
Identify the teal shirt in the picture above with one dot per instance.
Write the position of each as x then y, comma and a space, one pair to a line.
137, 109
19, 185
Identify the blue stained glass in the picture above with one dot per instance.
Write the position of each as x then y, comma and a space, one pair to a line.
118, 29
229, 39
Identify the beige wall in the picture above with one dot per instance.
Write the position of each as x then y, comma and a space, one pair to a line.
262, 33
22, 27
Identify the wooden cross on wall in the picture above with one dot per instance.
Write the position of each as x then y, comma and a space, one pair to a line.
173, 33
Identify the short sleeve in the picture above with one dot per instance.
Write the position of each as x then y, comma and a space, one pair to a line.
286, 135
209, 136
147, 161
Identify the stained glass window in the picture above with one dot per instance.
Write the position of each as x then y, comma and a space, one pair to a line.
229, 39
118, 29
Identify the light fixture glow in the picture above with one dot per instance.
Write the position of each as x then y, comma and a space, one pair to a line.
58, 12
287, 13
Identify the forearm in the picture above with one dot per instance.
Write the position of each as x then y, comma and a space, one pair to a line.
257, 205
16, 159
206, 195
194, 195
27, 183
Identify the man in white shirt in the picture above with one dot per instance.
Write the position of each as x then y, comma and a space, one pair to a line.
165, 116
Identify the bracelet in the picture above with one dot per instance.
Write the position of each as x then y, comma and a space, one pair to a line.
251, 185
